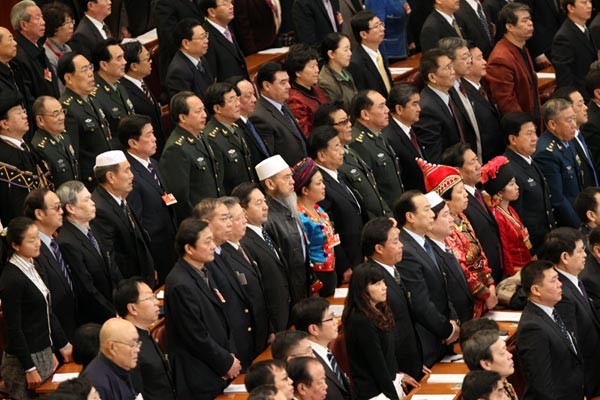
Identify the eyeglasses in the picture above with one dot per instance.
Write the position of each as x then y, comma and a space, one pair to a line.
203, 36
55, 114
133, 345
342, 122
378, 25
152, 297
87, 68
56, 208
225, 218
68, 22
332, 318
226, 3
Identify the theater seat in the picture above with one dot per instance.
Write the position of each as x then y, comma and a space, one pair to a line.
338, 348
158, 333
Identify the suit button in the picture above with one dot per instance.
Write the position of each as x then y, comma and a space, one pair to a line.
249, 329
245, 311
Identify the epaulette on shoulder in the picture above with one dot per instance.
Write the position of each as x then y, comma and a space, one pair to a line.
42, 144
368, 133
67, 102
213, 133
360, 137
550, 146
179, 141
95, 90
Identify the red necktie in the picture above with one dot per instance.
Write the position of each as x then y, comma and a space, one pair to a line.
458, 126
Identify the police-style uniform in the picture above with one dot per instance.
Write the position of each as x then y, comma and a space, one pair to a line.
114, 101
232, 153
59, 154
361, 180
561, 166
191, 171
374, 149
88, 132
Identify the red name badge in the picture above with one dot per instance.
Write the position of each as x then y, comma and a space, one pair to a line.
47, 75
220, 296
339, 18
169, 199
407, 9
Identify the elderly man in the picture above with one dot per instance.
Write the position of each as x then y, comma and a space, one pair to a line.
92, 29
111, 371
117, 226
9, 78
308, 375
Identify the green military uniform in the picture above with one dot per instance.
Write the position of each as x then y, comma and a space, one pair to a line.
232, 153
88, 132
59, 154
381, 158
114, 101
190, 170
360, 178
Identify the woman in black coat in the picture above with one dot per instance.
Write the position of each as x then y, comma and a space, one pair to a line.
368, 325
32, 330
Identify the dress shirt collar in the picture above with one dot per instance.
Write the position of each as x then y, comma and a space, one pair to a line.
256, 229
234, 245
82, 228
116, 198
321, 351
389, 269
405, 128
145, 163
444, 96
13, 141
582, 28
477, 85
136, 82
193, 60
275, 104
470, 189
473, 4
371, 53
528, 160
420, 239
439, 244
449, 18
330, 172
28, 268
245, 119
98, 24
574, 280
45, 239
546, 309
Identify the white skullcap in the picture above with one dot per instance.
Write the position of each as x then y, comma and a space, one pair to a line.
108, 158
270, 167
434, 199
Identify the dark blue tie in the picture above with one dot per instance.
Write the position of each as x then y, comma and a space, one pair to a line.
334, 366
587, 156
563, 328
63, 266
90, 236
257, 138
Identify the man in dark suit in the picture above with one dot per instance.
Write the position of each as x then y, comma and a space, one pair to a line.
485, 110
201, 349
188, 162
116, 225
91, 30
492, 9
189, 70
256, 145
440, 23
556, 154
149, 199
592, 126
238, 305
438, 127
313, 19
345, 211
590, 276
459, 293
225, 137
476, 25
272, 117
533, 205
367, 65
551, 360
420, 10
43, 206
224, 56
404, 104
314, 317
547, 17
573, 49
437, 323
138, 67
484, 224
10, 79
261, 248
348, 9
381, 243
256, 24
564, 247
95, 273
587, 207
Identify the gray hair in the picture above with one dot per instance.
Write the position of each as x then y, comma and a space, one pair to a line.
451, 44
67, 193
229, 201
19, 13
553, 107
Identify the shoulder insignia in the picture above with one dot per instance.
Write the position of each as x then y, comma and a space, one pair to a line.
67, 102
106, 88
52, 142
94, 90
179, 141
225, 132
360, 137
42, 143
235, 126
80, 102
369, 134
191, 140
213, 133
550, 146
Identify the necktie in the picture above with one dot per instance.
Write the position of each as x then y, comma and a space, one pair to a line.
563, 328
63, 266
341, 180
127, 212
483, 93
269, 242
397, 277
582, 288
90, 236
462, 88
276, 16
383, 73
334, 366
147, 92
200, 67
257, 138
585, 149
292, 122
458, 125
415, 142
228, 35
431, 254
106, 31
241, 250
484, 21
329, 8
457, 28
479, 198
154, 174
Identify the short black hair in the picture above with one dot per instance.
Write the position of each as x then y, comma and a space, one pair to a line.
309, 311
594, 238
586, 201
86, 343
126, 292
323, 114
79, 387
15, 231
266, 73
508, 14
360, 22
479, 384
130, 127
454, 156
360, 102
178, 105
206, 4
101, 52
263, 392
558, 241
261, 373
404, 204
470, 327
34, 201
55, 15
131, 52
512, 122
297, 58
330, 42
400, 95
215, 95
319, 139
283, 343
66, 65
478, 348
184, 30
297, 369
188, 233
243, 190
374, 232
429, 62
592, 79
564, 92
533, 274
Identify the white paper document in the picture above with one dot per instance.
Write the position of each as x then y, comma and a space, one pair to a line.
504, 316
546, 75
399, 71
160, 295
341, 293
433, 397
446, 378
235, 388
275, 50
58, 378
337, 309
455, 358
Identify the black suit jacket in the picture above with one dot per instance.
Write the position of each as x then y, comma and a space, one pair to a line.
94, 275
426, 283
85, 38
550, 366
546, 22
347, 216
580, 318
226, 59
590, 132
462, 116
488, 120
572, 54
365, 72
412, 176
590, 276
152, 374
311, 21
63, 298
254, 25
182, 74
456, 283
486, 229
257, 154
277, 131
157, 219
473, 30
198, 334
436, 127
276, 288
594, 28
336, 390
435, 28
142, 105
114, 231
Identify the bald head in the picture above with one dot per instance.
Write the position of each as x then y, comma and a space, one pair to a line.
119, 342
8, 45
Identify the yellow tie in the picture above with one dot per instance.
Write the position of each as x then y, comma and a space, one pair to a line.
383, 73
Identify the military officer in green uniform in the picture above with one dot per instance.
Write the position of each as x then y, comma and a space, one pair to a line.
188, 162
357, 173
109, 64
222, 100
371, 115
85, 123
50, 142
